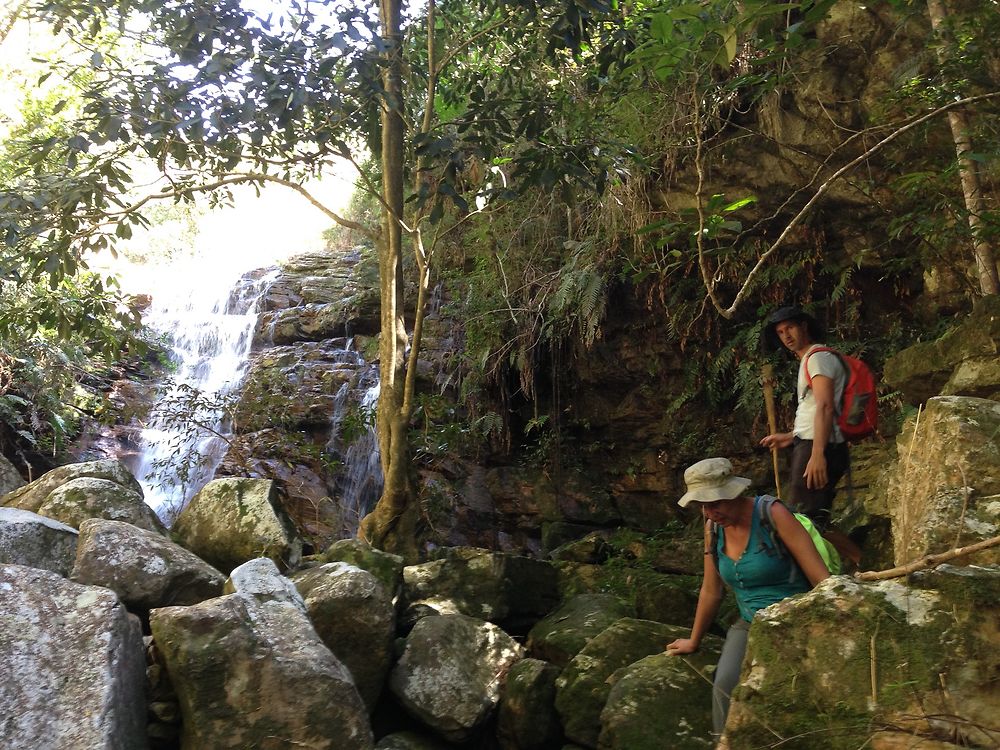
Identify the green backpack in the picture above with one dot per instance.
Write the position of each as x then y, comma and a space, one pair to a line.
831, 558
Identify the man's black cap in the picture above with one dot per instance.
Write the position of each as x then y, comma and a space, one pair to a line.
769, 338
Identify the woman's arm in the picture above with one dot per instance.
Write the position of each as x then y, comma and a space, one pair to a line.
799, 543
709, 599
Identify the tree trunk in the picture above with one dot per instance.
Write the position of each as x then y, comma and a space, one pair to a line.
392, 422
971, 185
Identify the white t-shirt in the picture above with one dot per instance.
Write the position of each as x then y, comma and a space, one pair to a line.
820, 363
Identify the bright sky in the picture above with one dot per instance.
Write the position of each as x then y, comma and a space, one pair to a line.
255, 232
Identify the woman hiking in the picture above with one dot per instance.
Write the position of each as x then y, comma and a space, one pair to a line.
745, 558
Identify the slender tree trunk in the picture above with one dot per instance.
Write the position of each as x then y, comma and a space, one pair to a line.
971, 185
392, 421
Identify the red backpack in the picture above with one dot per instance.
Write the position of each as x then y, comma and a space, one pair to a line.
857, 416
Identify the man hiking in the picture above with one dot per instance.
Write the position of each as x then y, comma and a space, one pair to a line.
819, 452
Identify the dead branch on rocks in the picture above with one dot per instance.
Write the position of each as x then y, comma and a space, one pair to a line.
928, 561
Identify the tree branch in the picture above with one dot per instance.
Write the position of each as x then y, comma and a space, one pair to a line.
928, 561
242, 179
824, 189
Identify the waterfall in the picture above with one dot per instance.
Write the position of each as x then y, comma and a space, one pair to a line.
208, 337
359, 485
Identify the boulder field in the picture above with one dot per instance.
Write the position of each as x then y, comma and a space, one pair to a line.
117, 635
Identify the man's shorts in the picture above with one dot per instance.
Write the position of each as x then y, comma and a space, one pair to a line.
815, 503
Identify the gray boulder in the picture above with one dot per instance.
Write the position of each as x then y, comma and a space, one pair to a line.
73, 665
249, 668
451, 673
93, 489
231, 521
35, 541
511, 590
145, 569
355, 617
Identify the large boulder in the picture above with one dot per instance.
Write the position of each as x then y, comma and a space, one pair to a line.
527, 719
963, 362
661, 701
355, 617
511, 590
920, 657
32, 495
35, 541
562, 634
584, 685
145, 569
385, 566
73, 665
231, 521
451, 673
93, 489
249, 668
944, 492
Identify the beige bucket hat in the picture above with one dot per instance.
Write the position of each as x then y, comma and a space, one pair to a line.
711, 480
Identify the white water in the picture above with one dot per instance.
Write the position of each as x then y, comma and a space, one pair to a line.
208, 321
360, 484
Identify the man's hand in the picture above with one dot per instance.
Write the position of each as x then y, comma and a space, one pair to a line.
682, 646
777, 440
815, 473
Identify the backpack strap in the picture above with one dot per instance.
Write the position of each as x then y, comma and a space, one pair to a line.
764, 505
837, 408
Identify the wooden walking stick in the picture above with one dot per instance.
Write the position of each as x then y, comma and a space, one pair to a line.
767, 380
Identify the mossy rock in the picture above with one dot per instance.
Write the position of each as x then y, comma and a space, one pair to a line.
561, 635
826, 666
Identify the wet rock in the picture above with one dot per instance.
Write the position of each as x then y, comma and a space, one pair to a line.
249, 667
583, 687
354, 615
35, 541
451, 673
944, 491
527, 719
502, 588
231, 521
145, 569
73, 665
563, 633
921, 657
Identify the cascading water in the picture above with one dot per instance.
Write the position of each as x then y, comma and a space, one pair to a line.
209, 337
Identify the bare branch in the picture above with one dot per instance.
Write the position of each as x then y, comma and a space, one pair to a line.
927, 561
824, 189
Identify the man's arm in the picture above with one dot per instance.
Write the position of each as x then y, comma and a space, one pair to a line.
816, 473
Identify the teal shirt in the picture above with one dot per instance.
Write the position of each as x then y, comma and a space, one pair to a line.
762, 576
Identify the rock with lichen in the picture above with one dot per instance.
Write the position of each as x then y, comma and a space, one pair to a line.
826, 668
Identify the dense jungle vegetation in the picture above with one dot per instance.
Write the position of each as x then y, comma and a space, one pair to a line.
561, 167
